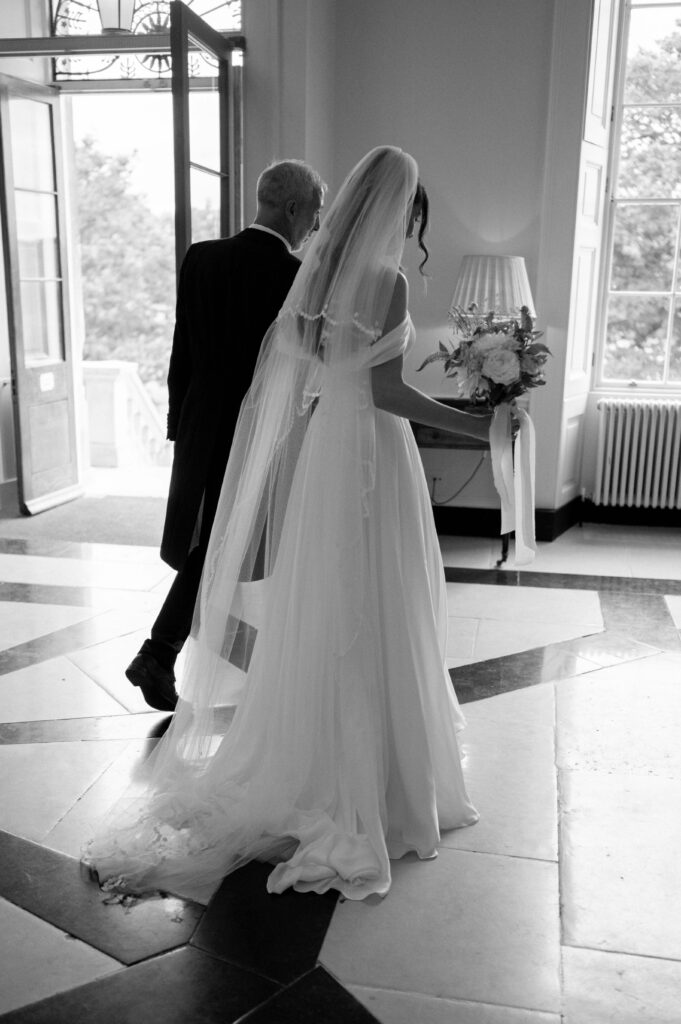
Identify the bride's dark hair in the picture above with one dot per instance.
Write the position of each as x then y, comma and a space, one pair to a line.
421, 200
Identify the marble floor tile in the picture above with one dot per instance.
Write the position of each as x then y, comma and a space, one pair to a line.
277, 936
82, 597
481, 679
613, 988
184, 986
59, 890
37, 546
530, 708
614, 535
37, 960
624, 719
21, 621
41, 781
461, 634
674, 605
664, 562
412, 1008
52, 689
123, 726
82, 818
106, 663
610, 648
142, 601
565, 560
443, 930
621, 862
495, 638
469, 552
130, 554
510, 777
642, 616
315, 997
122, 620
76, 573
524, 604
162, 587
457, 662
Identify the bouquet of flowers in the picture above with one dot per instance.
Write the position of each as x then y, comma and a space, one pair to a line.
494, 360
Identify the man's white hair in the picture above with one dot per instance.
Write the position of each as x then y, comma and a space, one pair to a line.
286, 180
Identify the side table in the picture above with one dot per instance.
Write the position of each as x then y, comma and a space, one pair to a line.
433, 437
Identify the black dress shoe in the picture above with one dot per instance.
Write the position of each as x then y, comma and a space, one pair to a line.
156, 682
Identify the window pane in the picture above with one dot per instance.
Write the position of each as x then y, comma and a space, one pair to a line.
31, 124
205, 190
650, 153
78, 17
653, 64
675, 361
204, 129
643, 248
37, 234
635, 338
41, 319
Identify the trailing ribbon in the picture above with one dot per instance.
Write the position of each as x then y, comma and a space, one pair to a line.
513, 473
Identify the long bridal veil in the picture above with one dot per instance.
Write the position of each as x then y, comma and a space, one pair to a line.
273, 683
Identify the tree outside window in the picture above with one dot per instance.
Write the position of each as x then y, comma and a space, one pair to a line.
643, 300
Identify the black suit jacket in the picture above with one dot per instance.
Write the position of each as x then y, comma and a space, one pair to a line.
230, 291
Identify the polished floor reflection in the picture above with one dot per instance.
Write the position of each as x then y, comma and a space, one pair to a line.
560, 905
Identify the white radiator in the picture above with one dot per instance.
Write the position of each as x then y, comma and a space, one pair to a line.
639, 450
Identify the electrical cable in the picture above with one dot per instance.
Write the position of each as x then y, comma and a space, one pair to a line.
463, 485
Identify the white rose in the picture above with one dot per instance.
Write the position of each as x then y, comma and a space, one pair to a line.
484, 343
502, 366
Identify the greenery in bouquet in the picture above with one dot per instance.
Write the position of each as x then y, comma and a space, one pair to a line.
493, 359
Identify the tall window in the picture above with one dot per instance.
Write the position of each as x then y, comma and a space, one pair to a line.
642, 301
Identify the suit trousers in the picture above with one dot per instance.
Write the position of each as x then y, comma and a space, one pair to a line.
173, 622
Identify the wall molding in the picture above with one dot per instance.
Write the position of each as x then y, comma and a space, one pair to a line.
550, 522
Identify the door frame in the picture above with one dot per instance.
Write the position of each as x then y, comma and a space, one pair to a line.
54, 376
187, 31
192, 34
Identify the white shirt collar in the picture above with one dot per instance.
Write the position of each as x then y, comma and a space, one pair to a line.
261, 227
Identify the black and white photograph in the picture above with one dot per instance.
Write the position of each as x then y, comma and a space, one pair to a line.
340, 511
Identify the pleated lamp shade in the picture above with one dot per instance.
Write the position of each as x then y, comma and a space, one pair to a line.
496, 283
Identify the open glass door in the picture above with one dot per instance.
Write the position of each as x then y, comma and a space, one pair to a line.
31, 194
207, 163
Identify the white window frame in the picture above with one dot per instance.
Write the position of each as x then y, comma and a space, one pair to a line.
601, 383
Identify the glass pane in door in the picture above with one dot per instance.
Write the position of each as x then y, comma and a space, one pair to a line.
41, 321
37, 234
204, 157
32, 159
204, 129
205, 192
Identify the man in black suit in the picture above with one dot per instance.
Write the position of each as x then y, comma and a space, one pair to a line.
230, 290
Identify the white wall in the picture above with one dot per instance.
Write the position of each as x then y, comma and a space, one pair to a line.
488, 96
288, 87
464, 87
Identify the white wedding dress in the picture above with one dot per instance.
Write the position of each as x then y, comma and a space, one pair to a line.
342, 752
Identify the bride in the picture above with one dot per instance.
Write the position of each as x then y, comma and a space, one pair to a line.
316, 727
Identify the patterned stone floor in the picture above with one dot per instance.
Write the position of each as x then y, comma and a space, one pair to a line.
560, 904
